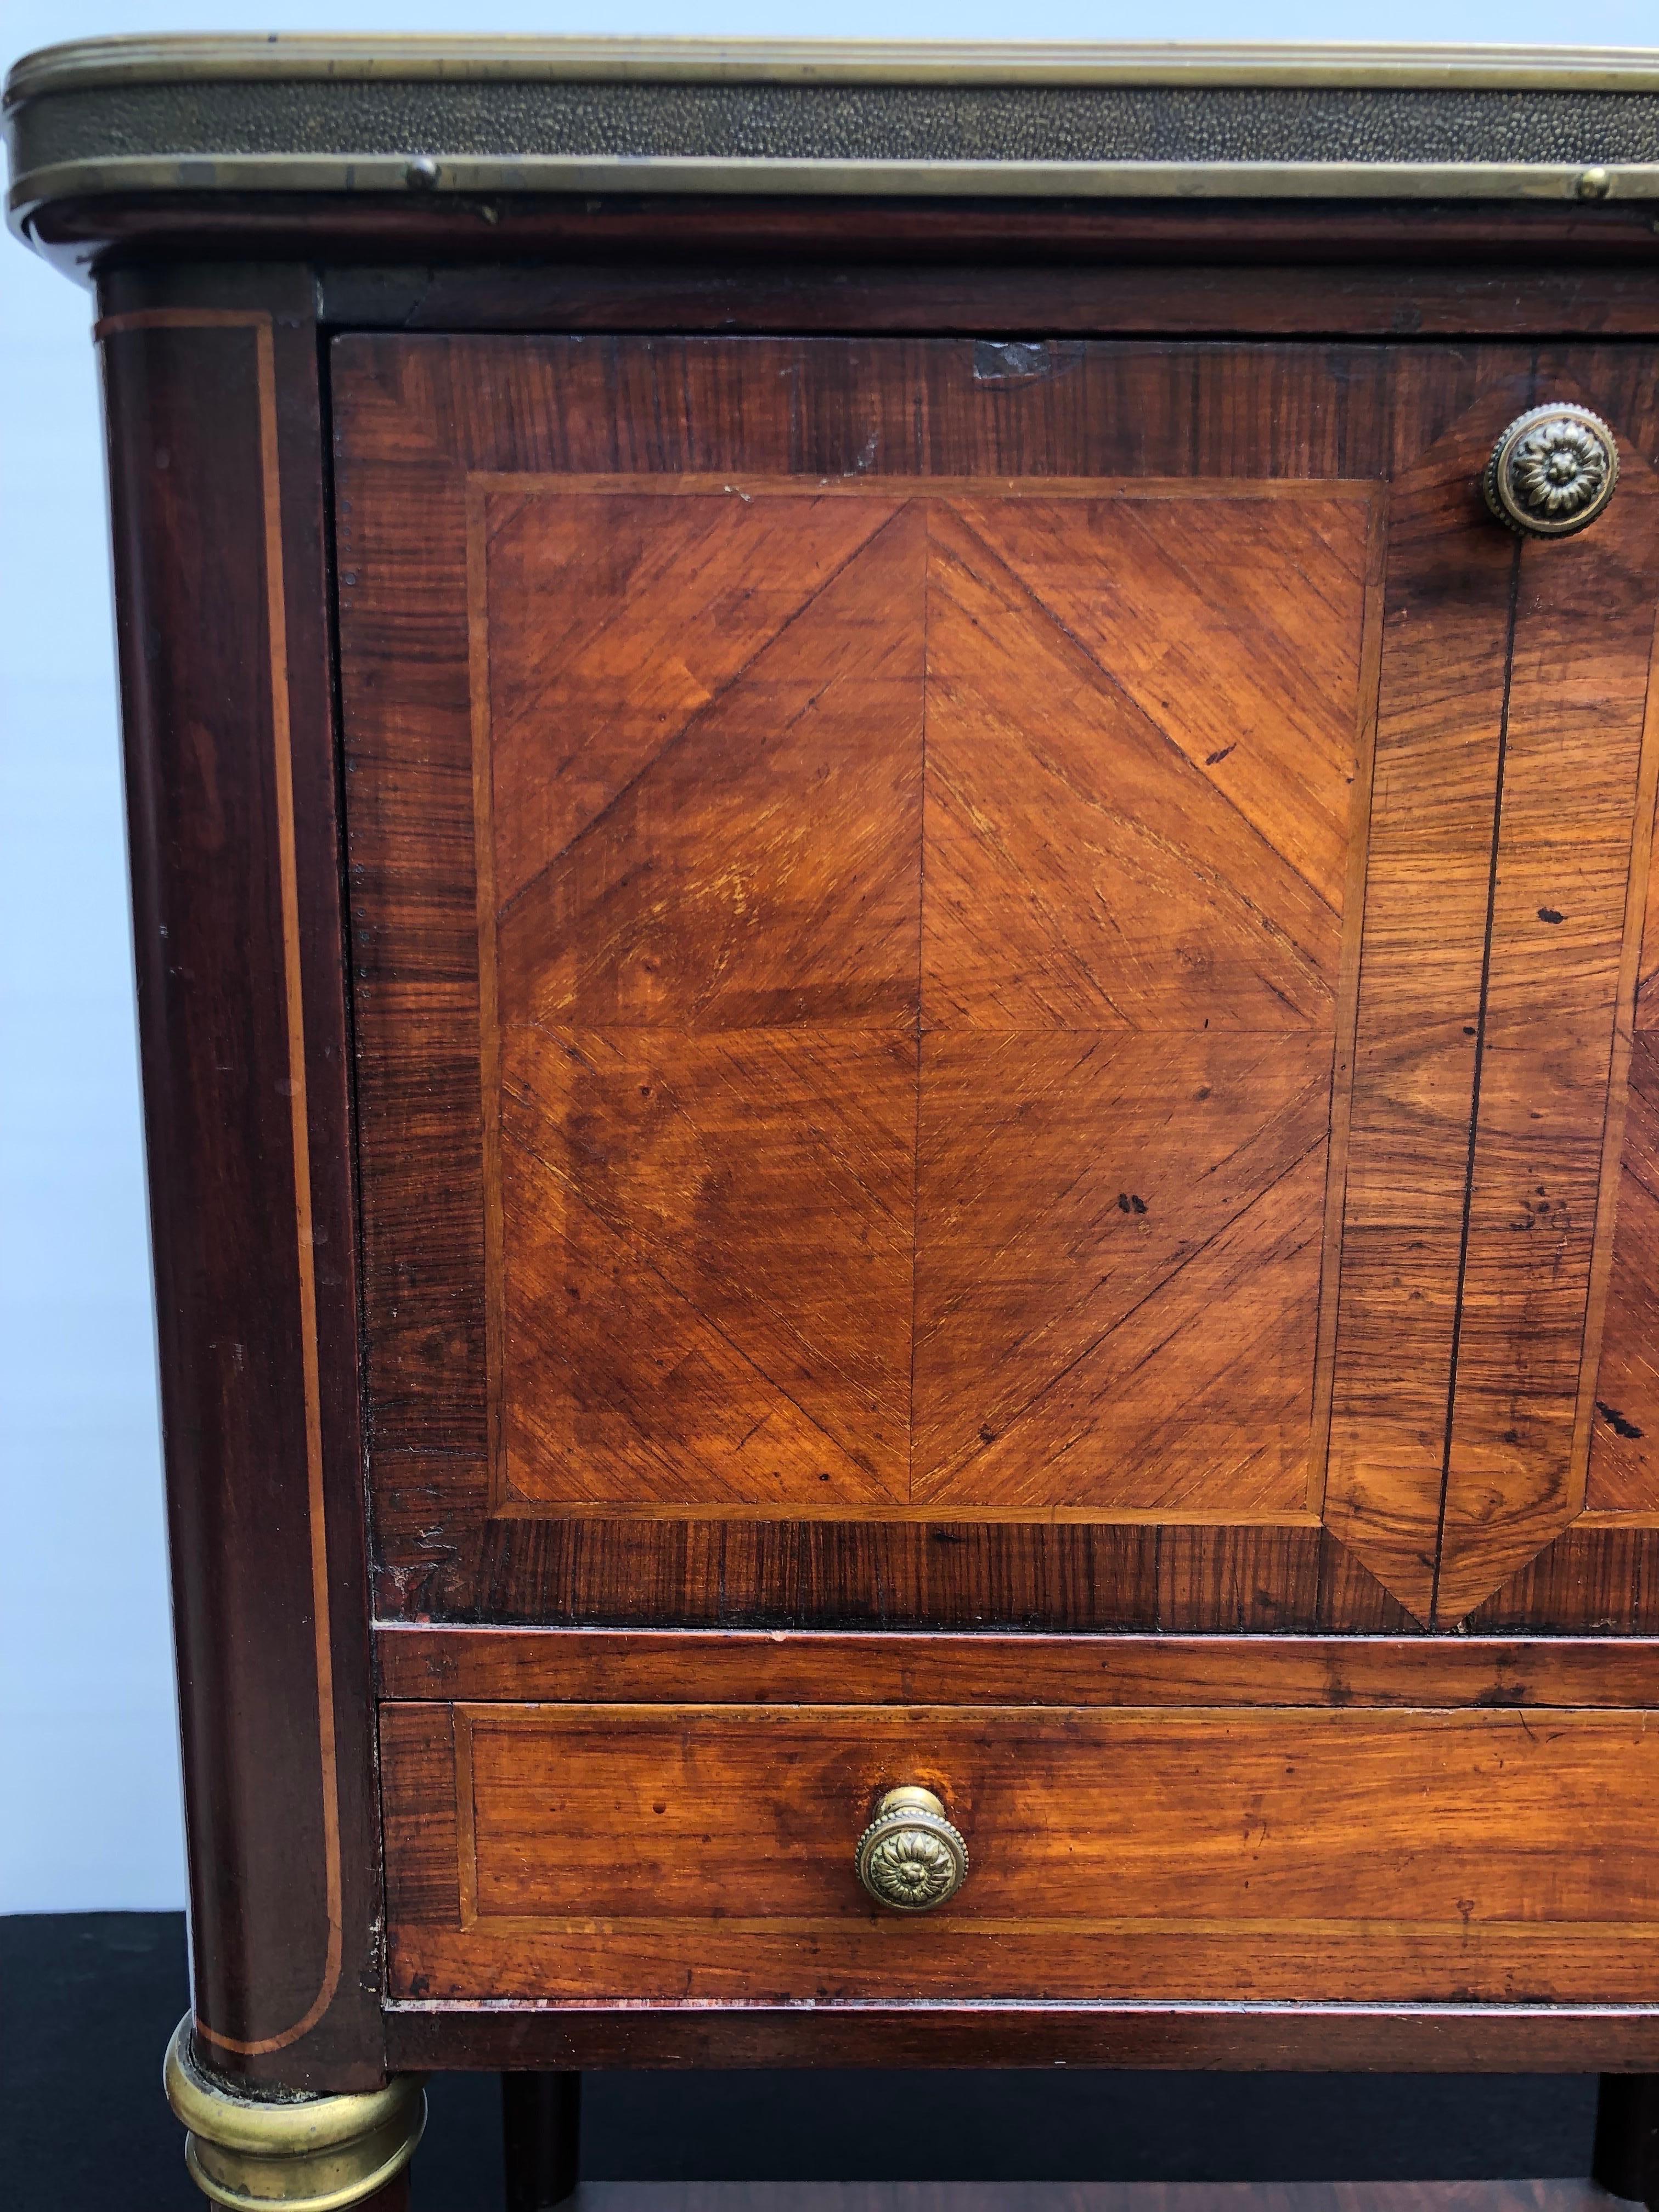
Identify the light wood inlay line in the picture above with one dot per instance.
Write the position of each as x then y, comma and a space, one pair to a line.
1210, 489
1014, 1927
180, 318
1104, 1516
259, 325
276, 616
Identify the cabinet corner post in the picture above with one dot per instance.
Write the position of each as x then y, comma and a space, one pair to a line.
218, 486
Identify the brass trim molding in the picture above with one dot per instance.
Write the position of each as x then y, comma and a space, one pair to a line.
493, 116
349, 57
306, 2153
302, 174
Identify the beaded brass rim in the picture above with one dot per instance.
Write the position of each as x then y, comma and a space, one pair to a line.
910, 1857
189, 57
1553, 472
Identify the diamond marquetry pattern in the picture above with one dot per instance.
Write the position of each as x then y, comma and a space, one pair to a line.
917, 925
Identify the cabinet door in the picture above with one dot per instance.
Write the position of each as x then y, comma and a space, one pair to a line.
987, 976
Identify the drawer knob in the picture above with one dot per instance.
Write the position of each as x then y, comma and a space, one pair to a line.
1553, 472
910, 1856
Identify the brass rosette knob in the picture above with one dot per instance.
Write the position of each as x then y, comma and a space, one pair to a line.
1553, 472
910, 1857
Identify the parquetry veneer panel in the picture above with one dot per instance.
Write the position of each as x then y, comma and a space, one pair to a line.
1439, 730
1570, 867
954, 952
1167, 1214
744, 1263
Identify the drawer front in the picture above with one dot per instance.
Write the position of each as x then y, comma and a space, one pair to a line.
985, 1002
599, 1853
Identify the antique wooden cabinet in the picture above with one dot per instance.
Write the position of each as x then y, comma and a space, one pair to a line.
891, 820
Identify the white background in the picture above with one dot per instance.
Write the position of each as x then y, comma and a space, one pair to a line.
89, 1816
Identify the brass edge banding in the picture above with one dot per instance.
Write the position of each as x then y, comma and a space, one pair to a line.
81, 64
57, 158
580, 175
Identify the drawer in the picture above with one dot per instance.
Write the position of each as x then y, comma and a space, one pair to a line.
606, 1853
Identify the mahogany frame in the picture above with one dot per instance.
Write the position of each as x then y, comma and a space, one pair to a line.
214, 317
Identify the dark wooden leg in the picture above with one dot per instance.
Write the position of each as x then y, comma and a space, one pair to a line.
1625, 2160
541, 2122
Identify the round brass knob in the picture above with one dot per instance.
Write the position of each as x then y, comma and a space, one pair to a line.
910, 1856
1553, 472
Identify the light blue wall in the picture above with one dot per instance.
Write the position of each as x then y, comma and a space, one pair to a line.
90, 1814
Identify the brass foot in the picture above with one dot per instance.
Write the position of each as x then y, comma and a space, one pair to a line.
305, 2154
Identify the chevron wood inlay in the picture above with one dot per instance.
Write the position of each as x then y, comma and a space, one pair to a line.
1440, 714
1571, 858
913, 1053
1156, 1178
1083, 869
961, 1012
641, 618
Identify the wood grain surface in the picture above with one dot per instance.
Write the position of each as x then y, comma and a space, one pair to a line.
412, 614
650, 1666
1441, 2038
1042, 928
1623, 1468
691, 1853
827, 953
1438, 757
895, 1012
220, 527
1408, 270
1619, 1406
1574, 826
